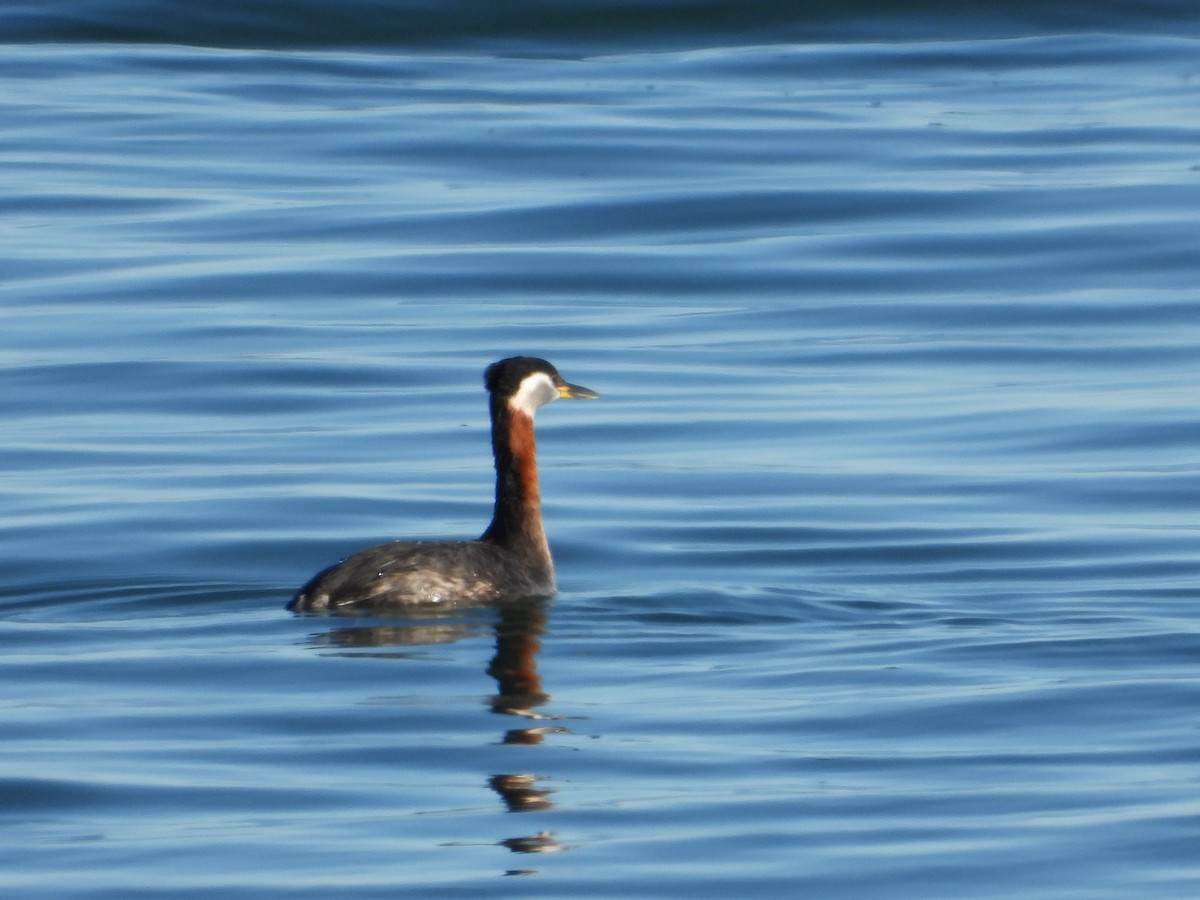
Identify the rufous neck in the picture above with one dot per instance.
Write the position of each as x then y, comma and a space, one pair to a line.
517, 518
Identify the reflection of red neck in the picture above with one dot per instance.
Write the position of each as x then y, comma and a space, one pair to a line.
517, 518
515, 664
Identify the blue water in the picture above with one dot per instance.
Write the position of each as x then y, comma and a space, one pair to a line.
879, 564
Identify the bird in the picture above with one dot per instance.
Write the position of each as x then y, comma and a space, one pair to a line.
509, 561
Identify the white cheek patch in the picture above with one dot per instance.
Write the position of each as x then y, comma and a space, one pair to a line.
535, 390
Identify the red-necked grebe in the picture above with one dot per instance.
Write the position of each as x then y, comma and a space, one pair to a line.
509, 561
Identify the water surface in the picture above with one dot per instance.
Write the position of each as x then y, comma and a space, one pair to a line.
878, 558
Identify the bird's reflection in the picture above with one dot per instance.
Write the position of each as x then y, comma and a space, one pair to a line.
518, 628
520, 792
518, 632
434, 627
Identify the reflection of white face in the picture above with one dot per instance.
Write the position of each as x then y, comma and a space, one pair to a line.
535, 390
